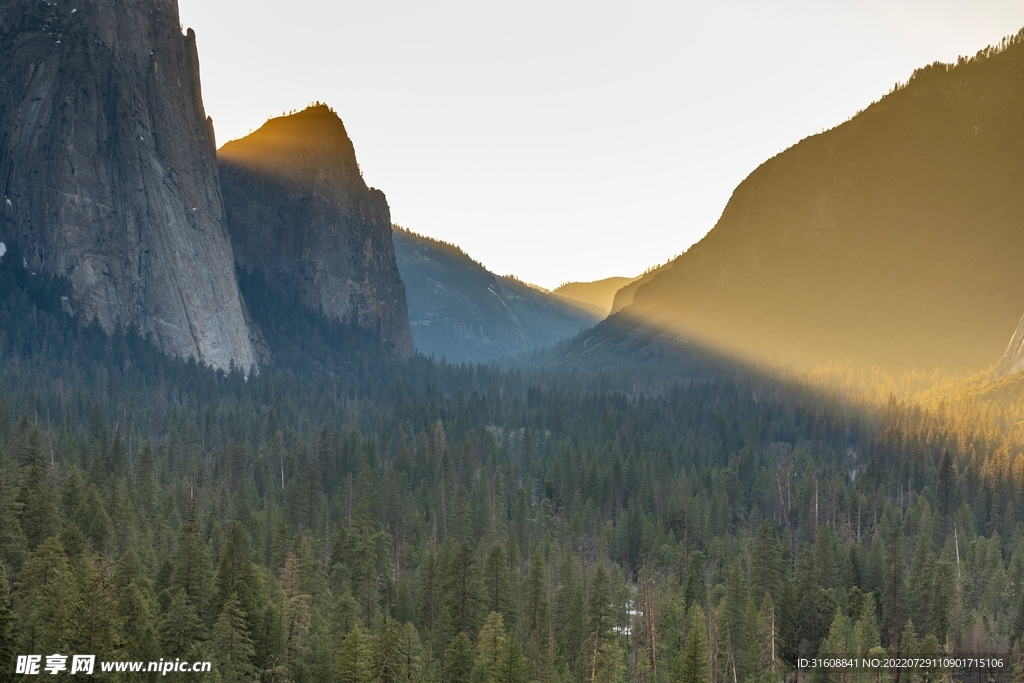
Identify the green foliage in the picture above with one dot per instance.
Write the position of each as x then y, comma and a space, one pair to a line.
232, 645
691, 665
395, 520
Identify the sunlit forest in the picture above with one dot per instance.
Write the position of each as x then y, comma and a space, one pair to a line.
347, 517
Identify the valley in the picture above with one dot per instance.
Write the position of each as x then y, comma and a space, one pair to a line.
246, 419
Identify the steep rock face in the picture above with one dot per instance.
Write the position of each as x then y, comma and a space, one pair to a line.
298, 209
465, 313
108, 170
1012, 360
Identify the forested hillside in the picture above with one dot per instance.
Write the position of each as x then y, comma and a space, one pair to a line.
366, 518
891, 240
460, 311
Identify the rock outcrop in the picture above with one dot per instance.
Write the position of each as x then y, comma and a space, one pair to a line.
298, 209
1012, 360
108, 170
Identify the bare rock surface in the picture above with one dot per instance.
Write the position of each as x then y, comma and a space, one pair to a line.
1012, 360
108, 170
299, 210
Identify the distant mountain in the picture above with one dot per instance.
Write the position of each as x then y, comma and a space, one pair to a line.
460, 310
109, 175
895, 239
298, 210
624, 296
600, 293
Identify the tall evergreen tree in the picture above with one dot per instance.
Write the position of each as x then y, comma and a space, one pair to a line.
535, 614
766, 563
7, 622
36, 499
181, 627
192, 573
692, 665
355, 657
459, 660
44, 592
232, 645
461, 582
497, 586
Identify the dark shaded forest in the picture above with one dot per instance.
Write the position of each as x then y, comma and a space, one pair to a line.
346, 517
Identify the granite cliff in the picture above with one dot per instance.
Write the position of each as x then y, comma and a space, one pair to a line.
108, 171
299, 211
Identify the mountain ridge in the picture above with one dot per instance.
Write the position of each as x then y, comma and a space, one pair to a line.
463, 312
891, 240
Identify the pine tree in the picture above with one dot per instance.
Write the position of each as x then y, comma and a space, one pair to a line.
943, 594
97, 623
766, 563
344, 614
511, 665
921, 580
873, 569
497, 585
39, 515
695, 590
865, 630
409, 653
136, 616
13, 544
491, 639
44, 591
945, 494
7, 622
461, 581
459, 660
600, 604
734, 609
691, 665
192, 572
295, 612
232, 645
232, 562
894, 584
428, 590
387, 658
570, 614
535, 614
96, 521
839, 644
181, 627
355, 657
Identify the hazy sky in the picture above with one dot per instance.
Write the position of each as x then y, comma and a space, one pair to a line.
571, 140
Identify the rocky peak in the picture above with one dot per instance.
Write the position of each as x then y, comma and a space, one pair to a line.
108, 170
299, 210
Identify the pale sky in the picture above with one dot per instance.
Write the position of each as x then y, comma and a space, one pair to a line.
560, 140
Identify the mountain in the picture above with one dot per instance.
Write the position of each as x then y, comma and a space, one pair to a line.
1012, 360
460, 310
600, 293
624, 296
298, 210
892, 240
108, 171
